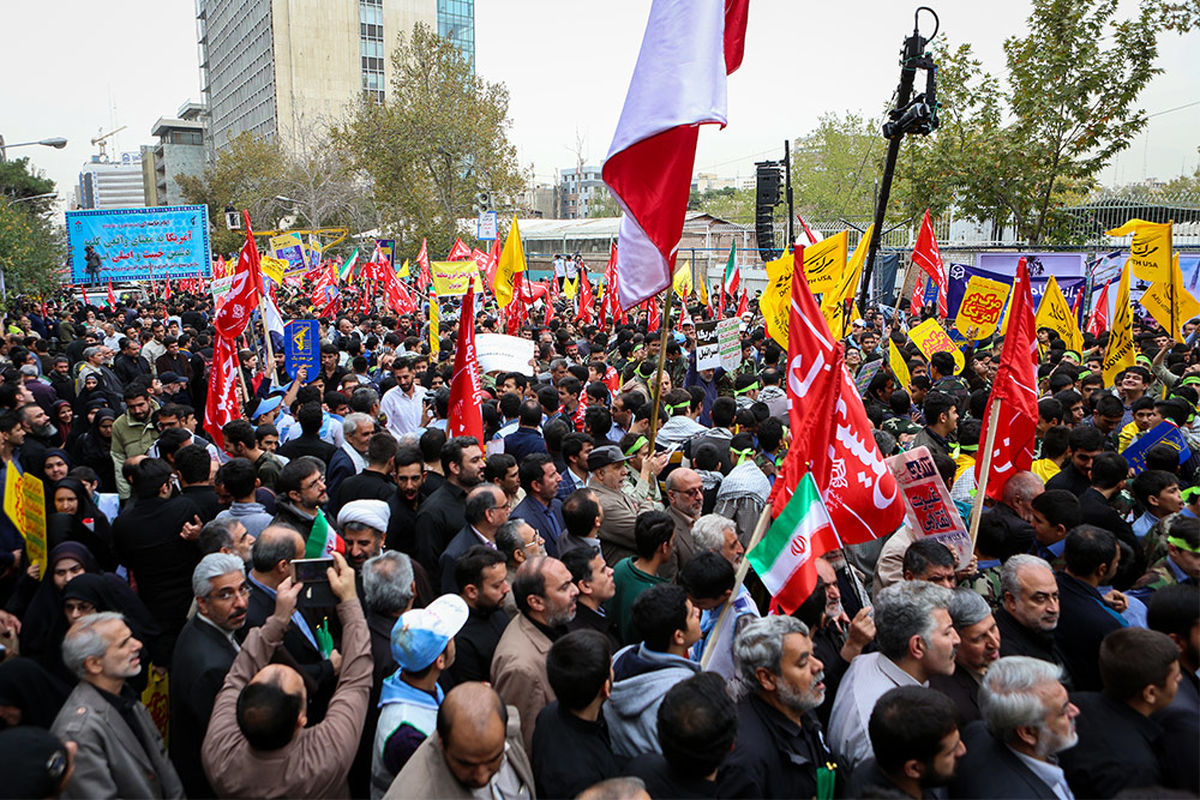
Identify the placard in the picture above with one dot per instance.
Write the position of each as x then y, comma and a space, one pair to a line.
708, 347
220, 288
930, 338
865, 374
499, 353
729, 342
289, 247
982, 304
302, 347
486, 226
451, 278
930, 512
1165, 432
138, 244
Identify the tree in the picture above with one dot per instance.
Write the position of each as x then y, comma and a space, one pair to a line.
835, 168
440, 136
603, 204
32, 249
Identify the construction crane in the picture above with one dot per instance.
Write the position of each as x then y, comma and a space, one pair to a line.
102, 140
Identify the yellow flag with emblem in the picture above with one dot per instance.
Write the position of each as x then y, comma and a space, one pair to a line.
899, 366
1170, 304
512, 261
435, 342
1150, 250
773, 302
1055, 313
403, 273
682, 280
1120, 353
825, 261
834, 306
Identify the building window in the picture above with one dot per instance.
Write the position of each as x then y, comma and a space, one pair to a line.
456, 22
370, 33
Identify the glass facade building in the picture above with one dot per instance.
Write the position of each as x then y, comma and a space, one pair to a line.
456, 22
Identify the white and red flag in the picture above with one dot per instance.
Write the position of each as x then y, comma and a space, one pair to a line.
1098, 322
1015, 389
928, 257
678, 84
466, 414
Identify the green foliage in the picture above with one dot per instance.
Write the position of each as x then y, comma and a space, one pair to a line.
18, 180
602, 204
836, 166
439, 137
32, 250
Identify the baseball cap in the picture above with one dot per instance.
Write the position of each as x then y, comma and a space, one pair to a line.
420, 635
266, 406
172, 377
603, 456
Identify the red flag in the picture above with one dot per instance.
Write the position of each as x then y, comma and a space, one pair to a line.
112, 296
679, 83
424, 277
743, 304
584, 317
86, 302
1098, 323
221, 406
928, 257
611, 304
466, 414
832, 435
459, 252
234, 313
1015, 388
654, 320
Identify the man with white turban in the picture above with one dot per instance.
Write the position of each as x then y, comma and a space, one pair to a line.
363, 523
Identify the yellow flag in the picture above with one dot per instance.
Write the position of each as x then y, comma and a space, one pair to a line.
1055, 313
833, 305
435, 342
1150, 251
682, 280
273, 268
1159, 299
773, 303
825, 261
1120, 353
14, 498
34, 508
512, 261
403, 273
700, 281
569, 287
981, 306
899, 366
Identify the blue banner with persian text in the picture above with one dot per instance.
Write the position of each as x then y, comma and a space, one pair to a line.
137, 244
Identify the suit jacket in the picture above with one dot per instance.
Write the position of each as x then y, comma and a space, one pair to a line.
519, 672
426, 774
620, 516
524, 441
548, 522
1118, 748
340, 468
111, 761
684, 547
201, 661
963, 689
567, 487
989, 769
441, 516
464, 541
1083, 622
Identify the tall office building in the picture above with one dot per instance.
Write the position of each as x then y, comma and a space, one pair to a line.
112, 184
290, 68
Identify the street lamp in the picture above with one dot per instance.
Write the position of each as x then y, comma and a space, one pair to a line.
57, 142
34, 197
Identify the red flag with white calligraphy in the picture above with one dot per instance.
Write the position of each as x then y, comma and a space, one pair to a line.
221, 406
466, 414
928, 256
242, 299
1015, 389
459, 252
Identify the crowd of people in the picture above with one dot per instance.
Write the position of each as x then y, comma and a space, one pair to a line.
535, 614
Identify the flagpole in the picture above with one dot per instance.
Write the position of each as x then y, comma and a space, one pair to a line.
984, 469
656, 390
760, 530
269, 367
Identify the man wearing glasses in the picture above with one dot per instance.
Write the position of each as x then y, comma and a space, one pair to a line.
203, 654
685, 498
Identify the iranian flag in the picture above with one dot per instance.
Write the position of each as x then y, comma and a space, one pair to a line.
322, 539
733, 275
348, 266
785, 558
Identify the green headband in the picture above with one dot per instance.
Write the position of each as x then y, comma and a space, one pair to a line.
1143, 360
1078, 357
685, 405
641, 442
1190, 492
1190, 380
1182, 545
745, 389
742, 454
1083, 373
968, 448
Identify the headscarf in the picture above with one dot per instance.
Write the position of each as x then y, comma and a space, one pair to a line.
63, 436
43, 625
88, 525
107, 592
49, 487
37, 693
95, 451
87, 396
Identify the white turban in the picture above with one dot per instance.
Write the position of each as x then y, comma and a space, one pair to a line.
372, 513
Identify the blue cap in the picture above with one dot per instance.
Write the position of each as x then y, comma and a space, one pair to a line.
266, 406
420, 635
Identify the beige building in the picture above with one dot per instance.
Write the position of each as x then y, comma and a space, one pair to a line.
289, 68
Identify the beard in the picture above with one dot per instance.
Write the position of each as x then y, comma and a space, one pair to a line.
1050, 743
801, 700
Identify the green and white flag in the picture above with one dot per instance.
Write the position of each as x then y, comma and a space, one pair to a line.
785, 558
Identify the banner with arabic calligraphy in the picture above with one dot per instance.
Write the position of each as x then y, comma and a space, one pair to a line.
135, 244
960, 276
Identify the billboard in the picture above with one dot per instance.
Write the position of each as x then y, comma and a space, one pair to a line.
135, 244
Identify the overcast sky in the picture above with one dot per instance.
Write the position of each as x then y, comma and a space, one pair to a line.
567, 63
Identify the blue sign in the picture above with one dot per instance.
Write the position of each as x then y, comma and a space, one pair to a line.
1165, 432
302, 347
137, 244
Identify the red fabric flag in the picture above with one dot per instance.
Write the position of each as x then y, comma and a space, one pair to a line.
234, 313
584, 317
112, 296
86, 302
928, 257
459, 252
221, 406
1098, 323
654, 320
1015, 388
466, 414
743, 304
832, 436
678, 84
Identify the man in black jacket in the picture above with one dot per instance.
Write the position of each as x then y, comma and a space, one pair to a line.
484, 512
571, 749
915, 737
1091, 557
375, 481
130, 364
1120, 747
1084, 443
301, 493
780, 746
309, 442
1027, 720
442, 514
481, 576
1029, 611
978, 648
408, 472
594, 578
203, 654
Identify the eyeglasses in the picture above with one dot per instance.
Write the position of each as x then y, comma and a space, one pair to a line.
319, 481
227, 594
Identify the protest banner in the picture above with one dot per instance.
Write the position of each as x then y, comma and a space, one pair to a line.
930, 511
33, 507
825, 261
139, 244
930, 338
301, 347
708, 346
289, 247
452, 278
274, 268
868, 371
499, 353
729, 342
387, 247
1165, 432
221, 287
981, 306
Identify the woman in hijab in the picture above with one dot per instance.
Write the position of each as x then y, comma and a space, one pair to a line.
75, 518
42, 622
91, 392
94, 592
63, 417
94, 448
29, 695
55, 467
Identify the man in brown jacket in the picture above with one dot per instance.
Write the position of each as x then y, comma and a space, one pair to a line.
607, 467
257, 745
478, 745
545, 596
